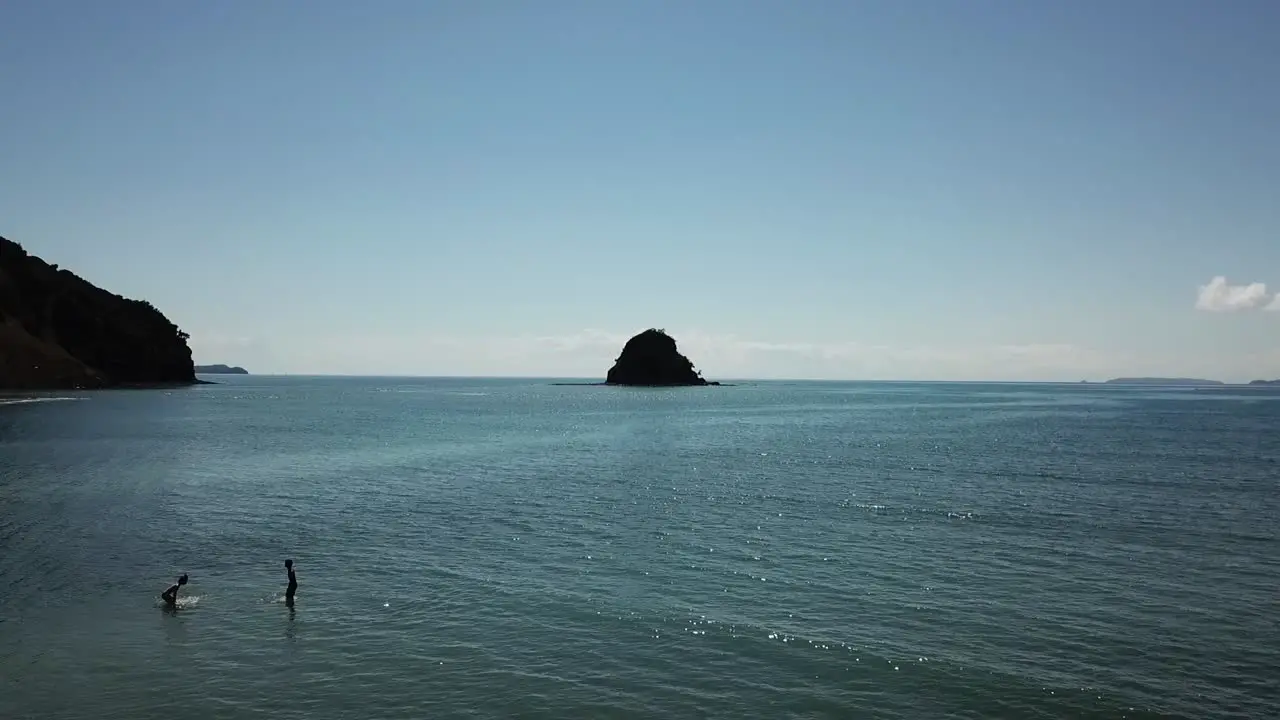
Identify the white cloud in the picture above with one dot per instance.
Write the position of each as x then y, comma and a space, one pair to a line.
1275, 304
722, 356
590, 353
1218, 296
216, 342
214, 347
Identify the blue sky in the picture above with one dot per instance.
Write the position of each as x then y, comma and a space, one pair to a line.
970, 190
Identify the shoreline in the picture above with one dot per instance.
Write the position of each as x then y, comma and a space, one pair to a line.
162, 385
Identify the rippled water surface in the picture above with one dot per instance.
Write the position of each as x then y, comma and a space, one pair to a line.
503, 548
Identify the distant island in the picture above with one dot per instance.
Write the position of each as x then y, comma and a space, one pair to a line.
220, 370
59, 331
1265, 382
1163, 381
651, 359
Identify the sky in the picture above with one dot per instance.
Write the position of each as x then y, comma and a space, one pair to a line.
971, 190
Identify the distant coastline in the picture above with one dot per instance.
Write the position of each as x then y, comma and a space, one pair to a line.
220, 370
1192, 382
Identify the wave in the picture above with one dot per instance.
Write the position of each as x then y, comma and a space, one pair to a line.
26, 401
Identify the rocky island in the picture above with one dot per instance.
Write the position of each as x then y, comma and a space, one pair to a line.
651, 359
220, 370
59, 331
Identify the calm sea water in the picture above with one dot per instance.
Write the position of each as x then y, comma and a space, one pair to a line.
511, 548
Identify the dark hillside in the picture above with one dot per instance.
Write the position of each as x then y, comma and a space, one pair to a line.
58, 330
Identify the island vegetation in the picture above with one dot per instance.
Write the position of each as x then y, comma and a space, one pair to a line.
651, 359
59, 331
220, 370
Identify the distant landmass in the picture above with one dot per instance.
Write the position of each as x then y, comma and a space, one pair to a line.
1162, 381
59, 331
651, 359
1264, 382
220, 370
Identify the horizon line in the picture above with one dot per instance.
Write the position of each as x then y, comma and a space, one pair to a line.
1182, 381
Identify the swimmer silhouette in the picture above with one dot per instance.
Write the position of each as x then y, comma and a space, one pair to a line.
170, 596
293, 582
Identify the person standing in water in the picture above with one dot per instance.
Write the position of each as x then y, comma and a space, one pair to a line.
293, 582
170, 596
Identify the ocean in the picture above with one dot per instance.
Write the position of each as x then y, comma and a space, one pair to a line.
492, 548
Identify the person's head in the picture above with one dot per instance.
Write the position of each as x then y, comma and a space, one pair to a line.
288, 563
182, 580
